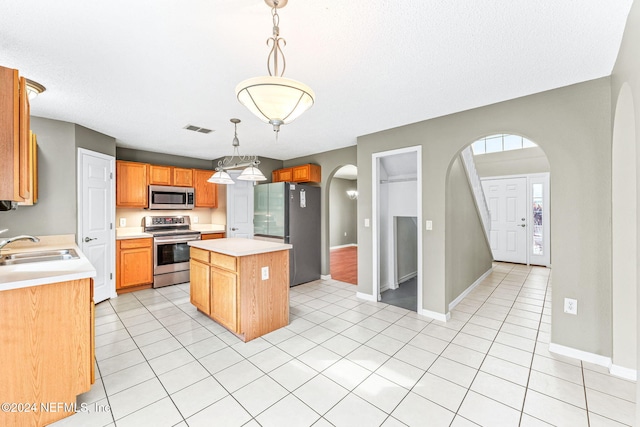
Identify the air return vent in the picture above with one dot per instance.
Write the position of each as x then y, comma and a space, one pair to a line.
197, 129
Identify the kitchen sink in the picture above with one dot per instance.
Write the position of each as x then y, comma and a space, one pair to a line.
39, 256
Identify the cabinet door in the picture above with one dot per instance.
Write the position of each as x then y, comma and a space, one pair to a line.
9, 135
131, 184
206, 192
160, 175
33, 171
25, 140
135, 263
224, 295
200, 286
285, 175
301, 173
182, 177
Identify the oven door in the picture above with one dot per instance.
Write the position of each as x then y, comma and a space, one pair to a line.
171, 253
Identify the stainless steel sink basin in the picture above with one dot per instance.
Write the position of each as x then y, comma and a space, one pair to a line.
40, 256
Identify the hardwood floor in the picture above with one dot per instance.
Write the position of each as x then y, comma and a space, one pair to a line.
344, 264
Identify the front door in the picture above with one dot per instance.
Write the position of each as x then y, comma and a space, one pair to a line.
239, 208
96, 234
507, 201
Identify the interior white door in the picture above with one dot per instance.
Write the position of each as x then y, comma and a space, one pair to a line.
96, 234
239, 208
507, 201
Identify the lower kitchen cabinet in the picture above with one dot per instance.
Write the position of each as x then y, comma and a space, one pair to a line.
210, 236
47, 336
134, 263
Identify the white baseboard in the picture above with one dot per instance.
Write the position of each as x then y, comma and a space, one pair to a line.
622, 372
407, 277
435, 315
325, 276
366, 297
348, 245
596, 359
469, 289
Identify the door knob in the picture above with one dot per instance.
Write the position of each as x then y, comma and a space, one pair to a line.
234, 229
523, 225
88, 239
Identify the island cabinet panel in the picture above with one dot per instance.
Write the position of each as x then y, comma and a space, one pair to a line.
211, 236
47, 338
200, 285
224, 299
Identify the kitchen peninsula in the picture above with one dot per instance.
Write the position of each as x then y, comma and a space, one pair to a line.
243, 284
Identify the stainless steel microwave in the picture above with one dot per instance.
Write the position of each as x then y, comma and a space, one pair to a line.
165, 197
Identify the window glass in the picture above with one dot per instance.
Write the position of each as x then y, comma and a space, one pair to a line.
502, 142
538, 242
494, 145
512, 142
526, 143
478, 147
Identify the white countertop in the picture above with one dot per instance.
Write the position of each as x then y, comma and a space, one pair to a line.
239, 247
43, 273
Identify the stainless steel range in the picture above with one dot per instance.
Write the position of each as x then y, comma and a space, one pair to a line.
170, 248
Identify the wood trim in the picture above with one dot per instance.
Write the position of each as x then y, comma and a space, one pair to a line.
24, 142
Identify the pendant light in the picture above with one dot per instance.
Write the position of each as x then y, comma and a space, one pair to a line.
275, 99
236, 161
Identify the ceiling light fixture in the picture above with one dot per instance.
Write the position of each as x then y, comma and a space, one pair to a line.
273, 98
236, 161
353, 194
34, 89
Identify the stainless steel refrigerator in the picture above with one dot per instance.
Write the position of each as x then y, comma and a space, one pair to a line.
290, 212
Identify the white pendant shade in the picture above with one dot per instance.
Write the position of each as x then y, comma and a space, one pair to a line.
221, 177
275, 100
252, 174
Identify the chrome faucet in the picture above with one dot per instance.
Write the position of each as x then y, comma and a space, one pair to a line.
5, 242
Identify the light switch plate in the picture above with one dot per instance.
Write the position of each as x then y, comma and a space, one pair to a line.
265, 273
429, 224
123, 222
366, 222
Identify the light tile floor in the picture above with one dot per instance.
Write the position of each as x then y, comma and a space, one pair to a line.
347, 362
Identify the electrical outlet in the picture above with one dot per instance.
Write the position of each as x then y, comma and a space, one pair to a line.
195, 219
366, 222
265, 273
345, 234
123, 222
570, 306
429, 224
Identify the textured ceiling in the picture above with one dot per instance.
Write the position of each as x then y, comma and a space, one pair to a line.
141, 70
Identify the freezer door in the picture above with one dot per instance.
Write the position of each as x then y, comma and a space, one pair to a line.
304, 233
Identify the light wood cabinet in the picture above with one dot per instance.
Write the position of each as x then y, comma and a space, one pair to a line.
182, 177
160, 175
134, 263
211, 236
14, 136
32, 172
131, 184
170, 175
301, 173
239, 299
47, 336
206, 192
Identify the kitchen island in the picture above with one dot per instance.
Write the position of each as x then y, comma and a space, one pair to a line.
242, 284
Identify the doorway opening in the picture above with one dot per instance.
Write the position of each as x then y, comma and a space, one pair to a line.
397, 236
343, 225
514, 173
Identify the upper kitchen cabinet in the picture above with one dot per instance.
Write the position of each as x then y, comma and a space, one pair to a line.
170, 175
131, 184
303, 173
206, 192
14, 137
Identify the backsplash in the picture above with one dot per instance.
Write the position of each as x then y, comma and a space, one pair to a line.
134, 217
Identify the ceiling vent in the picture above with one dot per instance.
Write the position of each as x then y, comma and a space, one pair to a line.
197, 129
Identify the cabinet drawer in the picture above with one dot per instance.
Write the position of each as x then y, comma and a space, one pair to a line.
200, 255
223, 261
211, 236
135, 243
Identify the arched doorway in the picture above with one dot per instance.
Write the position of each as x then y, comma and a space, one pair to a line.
343, 230
624, 236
